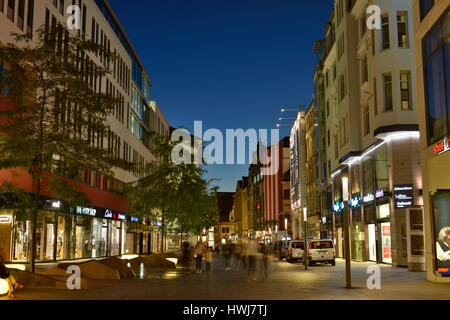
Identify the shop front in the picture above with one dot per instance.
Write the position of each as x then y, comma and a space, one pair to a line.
67, 233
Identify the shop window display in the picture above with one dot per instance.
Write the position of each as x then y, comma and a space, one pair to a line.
99, 237
382, 168
21, 237
441, 206
115, 238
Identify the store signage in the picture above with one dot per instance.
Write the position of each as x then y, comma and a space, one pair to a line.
355, 202
369, 198
134, 219
379, 194
404, 196
121, 216
442, 146
5, 219
324, 220
86, 211
339, 206
108, 214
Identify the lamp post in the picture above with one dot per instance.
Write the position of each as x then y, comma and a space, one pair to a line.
306, 247
285, 227
348, 271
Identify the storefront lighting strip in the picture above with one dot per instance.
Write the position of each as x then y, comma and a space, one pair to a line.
389, 138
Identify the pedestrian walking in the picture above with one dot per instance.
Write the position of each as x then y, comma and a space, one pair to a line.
265, 251
198, 251
252, 252
209, 257
227, 252
244, 257
5, 274
237, 256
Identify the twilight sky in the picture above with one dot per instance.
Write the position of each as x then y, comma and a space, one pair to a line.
231, 64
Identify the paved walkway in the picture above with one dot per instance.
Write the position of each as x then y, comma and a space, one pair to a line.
286, 282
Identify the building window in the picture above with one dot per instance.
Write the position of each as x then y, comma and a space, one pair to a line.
61, 7
30, 16
329, 137
363, 26
2, 5
328, 109
11, 8
375, 96
425, 7
387, 79
364, 71
336, 147
405, 91
402, 29
287, 194
386, 42
436, 62
21, 14
366, 120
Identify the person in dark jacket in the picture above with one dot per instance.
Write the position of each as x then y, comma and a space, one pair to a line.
6, 275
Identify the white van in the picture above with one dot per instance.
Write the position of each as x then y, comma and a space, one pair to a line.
321, 251
295, 250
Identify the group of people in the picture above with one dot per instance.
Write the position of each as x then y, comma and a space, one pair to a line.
200, 252
245, 256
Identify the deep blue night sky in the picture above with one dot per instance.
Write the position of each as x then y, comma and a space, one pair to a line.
232, 64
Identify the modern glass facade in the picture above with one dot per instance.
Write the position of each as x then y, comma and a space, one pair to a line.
77, 234
436, 62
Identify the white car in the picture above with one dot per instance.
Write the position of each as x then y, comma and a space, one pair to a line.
295, 250
322, 251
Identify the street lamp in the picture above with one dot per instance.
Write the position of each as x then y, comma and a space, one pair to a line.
306, 247
285, 227
348, 271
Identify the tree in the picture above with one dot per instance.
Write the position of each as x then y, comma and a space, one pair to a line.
52, 121
175, 193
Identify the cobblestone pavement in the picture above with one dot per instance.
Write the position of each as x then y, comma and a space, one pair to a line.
286, 282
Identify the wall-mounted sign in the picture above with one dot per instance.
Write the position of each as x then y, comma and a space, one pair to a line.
442, 146
404, 196
121, 217
369, 198
355, 202
134, 219
5, 219
379, 194
108, 214
338, 206
85, 211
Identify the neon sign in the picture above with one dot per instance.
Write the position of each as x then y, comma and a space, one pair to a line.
369, 198
355, 202
339, 206
442, 146
5, 219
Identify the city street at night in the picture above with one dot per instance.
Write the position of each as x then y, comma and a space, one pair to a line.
286, 282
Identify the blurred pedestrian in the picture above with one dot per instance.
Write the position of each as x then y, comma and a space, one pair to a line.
252, 252
244, 256
198, 251
6, 275
237, 257
186, 254
227, 252
265, 251
209, 258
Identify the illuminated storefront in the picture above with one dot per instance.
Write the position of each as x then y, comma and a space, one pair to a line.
66, 233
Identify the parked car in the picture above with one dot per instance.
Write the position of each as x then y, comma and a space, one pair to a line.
281, 249
322, 251
295, 250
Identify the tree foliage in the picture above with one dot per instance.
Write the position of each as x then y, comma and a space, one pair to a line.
175, 193
51, 118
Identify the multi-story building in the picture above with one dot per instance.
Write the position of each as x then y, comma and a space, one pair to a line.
431, 22
372, 139
277, 193
241, 209
255, 200
104, 227
298, 175
314, 227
